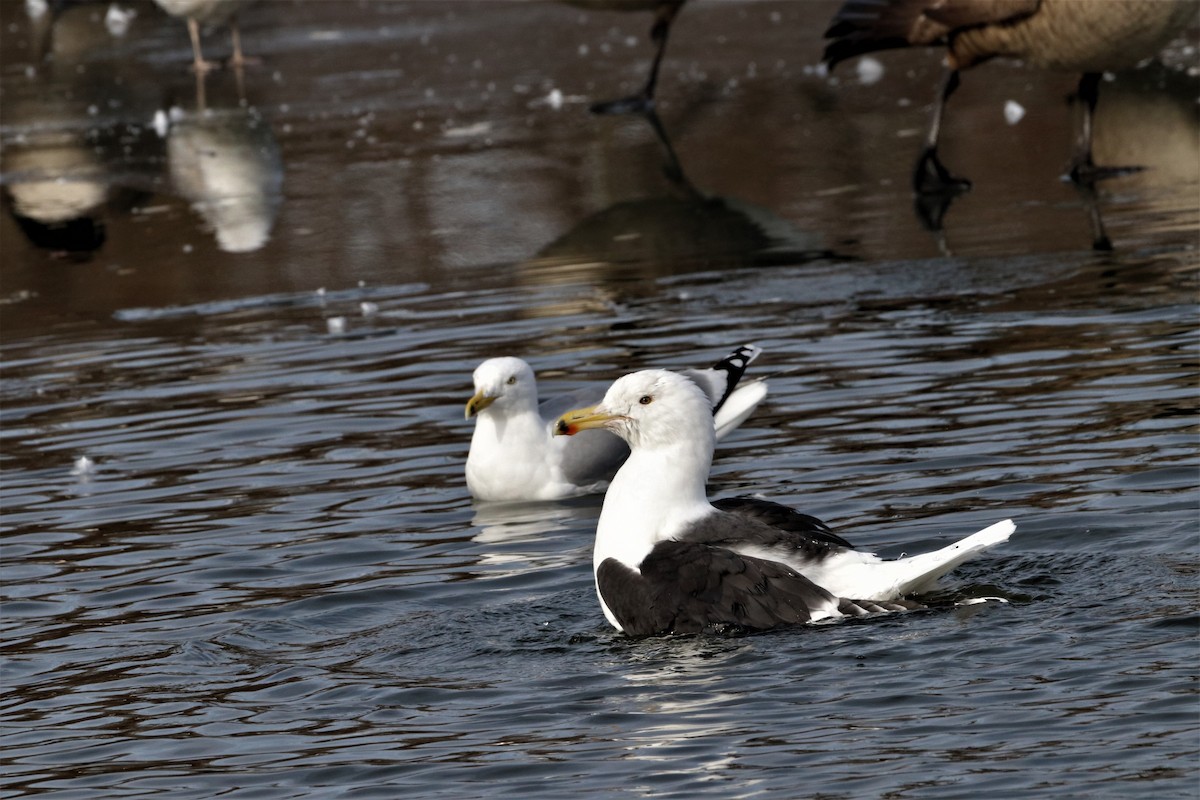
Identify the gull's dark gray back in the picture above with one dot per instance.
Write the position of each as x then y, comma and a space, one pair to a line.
688, 587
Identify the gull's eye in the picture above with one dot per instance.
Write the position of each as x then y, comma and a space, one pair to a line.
646, 400
512, 380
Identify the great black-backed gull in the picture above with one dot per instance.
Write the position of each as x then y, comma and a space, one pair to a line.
668, 560
515, 456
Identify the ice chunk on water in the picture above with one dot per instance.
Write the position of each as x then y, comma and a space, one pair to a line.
161, 123
1013, 111
870, 70
117, 19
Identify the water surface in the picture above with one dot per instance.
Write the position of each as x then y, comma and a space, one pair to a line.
271, 582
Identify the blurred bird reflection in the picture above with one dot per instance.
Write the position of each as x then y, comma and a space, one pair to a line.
227, 164
65, 173
680, 230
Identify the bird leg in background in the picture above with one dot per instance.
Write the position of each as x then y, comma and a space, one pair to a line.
658, 35
199, 65
643, 101
931, 208
672, 168
1082, 166
201, 98
238, 59
1100, 241
934, 188
929, 176
1082, 169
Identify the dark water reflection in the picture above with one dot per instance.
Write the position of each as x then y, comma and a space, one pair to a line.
270, 581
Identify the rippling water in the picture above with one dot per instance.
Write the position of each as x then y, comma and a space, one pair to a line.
272, 578
270, 581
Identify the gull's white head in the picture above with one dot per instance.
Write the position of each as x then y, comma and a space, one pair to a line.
648, 409
504, 383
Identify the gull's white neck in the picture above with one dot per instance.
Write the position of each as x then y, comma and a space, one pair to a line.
656, 493
518, 424
509, 454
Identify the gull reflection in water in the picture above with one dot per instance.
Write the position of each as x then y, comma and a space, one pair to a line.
517, 533
227, 164
510, 523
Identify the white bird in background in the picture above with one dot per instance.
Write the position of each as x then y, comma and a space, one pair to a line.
668, 560
515, 456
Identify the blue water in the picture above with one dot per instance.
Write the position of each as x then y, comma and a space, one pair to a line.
272, 583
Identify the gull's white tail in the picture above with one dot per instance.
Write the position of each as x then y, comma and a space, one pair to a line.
866, 576
738, 406
920, 573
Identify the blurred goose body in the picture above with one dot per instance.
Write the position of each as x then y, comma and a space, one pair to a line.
1088, 36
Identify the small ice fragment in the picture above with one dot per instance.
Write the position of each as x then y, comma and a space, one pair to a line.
160, 123
554, 99
36, 8
84, 467
1013, 111
361, 284
463, 131
175, 114
321, 291
367, 308
870, 70
336, 324
117, 19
